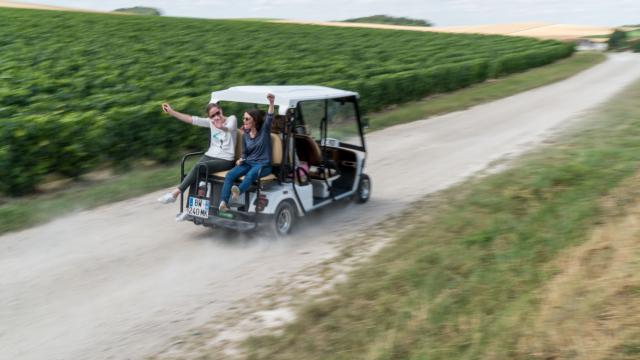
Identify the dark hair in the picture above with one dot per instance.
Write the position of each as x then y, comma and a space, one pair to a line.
209, 107
258, 117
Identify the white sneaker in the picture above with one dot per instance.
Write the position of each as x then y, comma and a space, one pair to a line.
167, 198
223, 207
235, 194
181, 216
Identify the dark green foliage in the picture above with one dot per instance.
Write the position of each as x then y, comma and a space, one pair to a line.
21, 142
391, 20
82, 90
521, 61
618, 39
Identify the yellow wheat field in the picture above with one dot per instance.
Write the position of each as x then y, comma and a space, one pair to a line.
534, 29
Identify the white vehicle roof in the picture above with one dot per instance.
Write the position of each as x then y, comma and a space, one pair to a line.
287, 96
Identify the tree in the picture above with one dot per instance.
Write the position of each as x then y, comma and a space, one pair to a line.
617, 40
140, 10
390, 20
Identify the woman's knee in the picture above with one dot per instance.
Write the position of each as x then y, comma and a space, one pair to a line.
235, 173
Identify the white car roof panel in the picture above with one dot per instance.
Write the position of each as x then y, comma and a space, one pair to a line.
287, 96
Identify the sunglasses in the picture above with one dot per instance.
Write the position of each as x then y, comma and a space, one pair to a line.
214, 114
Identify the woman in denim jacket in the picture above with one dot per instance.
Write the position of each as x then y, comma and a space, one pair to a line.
256, 154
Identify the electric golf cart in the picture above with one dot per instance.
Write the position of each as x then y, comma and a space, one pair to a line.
318, 157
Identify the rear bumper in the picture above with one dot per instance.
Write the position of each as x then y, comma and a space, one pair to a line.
235, 220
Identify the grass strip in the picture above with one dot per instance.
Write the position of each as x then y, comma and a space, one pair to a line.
20, 213
463, 284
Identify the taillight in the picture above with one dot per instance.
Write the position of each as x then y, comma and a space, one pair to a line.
261, 202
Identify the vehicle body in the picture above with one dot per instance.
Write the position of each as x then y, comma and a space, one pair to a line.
319, 155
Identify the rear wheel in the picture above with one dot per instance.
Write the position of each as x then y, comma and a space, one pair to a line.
364, 189
284, 218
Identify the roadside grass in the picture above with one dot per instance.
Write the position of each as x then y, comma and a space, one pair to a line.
467, 281
19, 213
634, 34
591, 308
485, 92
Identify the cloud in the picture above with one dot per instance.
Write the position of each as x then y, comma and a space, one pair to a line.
441, 12
275, 3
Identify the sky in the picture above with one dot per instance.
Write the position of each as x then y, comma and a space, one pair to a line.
438, 12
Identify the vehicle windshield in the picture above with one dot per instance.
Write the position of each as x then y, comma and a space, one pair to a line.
342, 120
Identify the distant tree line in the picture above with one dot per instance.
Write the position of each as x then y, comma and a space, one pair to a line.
390, 20
140, 10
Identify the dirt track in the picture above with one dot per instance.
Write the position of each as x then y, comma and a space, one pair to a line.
120, 281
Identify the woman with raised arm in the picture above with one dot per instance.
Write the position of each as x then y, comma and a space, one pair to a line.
222, 145
255, 161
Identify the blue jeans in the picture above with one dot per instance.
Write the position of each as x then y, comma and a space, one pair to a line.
250, 172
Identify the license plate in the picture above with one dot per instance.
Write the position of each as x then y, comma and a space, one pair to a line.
198, 207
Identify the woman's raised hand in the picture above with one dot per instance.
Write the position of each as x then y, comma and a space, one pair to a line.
271, 99
166, 108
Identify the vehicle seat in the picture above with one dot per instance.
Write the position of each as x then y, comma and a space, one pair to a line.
278, 125
308, 150
276, 156
237, 151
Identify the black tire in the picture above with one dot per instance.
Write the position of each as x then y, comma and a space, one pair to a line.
283, 219
364, 189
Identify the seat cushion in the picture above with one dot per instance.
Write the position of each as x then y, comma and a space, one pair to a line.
276, 156
222, 174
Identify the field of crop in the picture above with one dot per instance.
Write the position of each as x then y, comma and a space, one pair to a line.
81, 90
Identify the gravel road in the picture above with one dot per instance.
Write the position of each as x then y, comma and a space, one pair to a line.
119, 281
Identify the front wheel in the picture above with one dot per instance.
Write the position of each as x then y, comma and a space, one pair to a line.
364, 189
283, 219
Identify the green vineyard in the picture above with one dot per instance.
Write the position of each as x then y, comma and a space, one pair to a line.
78, 91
